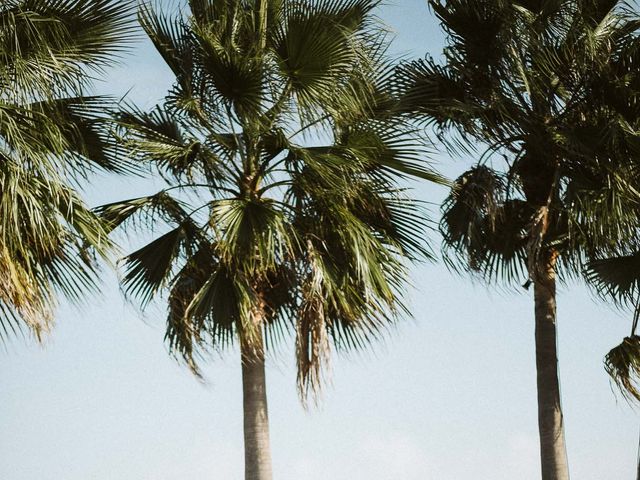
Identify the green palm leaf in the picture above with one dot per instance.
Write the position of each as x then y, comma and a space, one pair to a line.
51, 137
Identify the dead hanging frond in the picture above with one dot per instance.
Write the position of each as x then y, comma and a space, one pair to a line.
622, 364
253, 321
312, 349
20, 293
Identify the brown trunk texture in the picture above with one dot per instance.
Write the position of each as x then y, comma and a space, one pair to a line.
257, 450
553, 451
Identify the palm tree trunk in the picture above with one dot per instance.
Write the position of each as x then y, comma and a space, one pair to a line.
257, 451
638, 472
262, 15
553, 451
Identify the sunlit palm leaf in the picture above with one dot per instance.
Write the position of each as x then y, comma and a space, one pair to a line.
51, 136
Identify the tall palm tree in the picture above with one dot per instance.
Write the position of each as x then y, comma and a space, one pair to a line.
50, 136
282, 211
547, 91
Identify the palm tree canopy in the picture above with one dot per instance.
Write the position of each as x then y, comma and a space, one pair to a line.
50, 136
282, 211
551, 89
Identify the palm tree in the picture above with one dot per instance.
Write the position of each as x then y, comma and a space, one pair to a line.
547, 90
50, 137
282, 211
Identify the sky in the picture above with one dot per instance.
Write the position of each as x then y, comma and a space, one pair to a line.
450, 394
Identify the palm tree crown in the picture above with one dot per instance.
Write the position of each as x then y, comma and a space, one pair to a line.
282, 206
550, 87
50, 135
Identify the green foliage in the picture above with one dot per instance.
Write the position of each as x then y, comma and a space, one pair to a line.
50, 137
618, 277
623, 365
282, 157
548, 92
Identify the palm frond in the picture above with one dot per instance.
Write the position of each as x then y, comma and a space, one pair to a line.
46, 44
622, 364
616, 277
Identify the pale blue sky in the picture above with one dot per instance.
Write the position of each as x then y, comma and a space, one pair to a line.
450, 395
